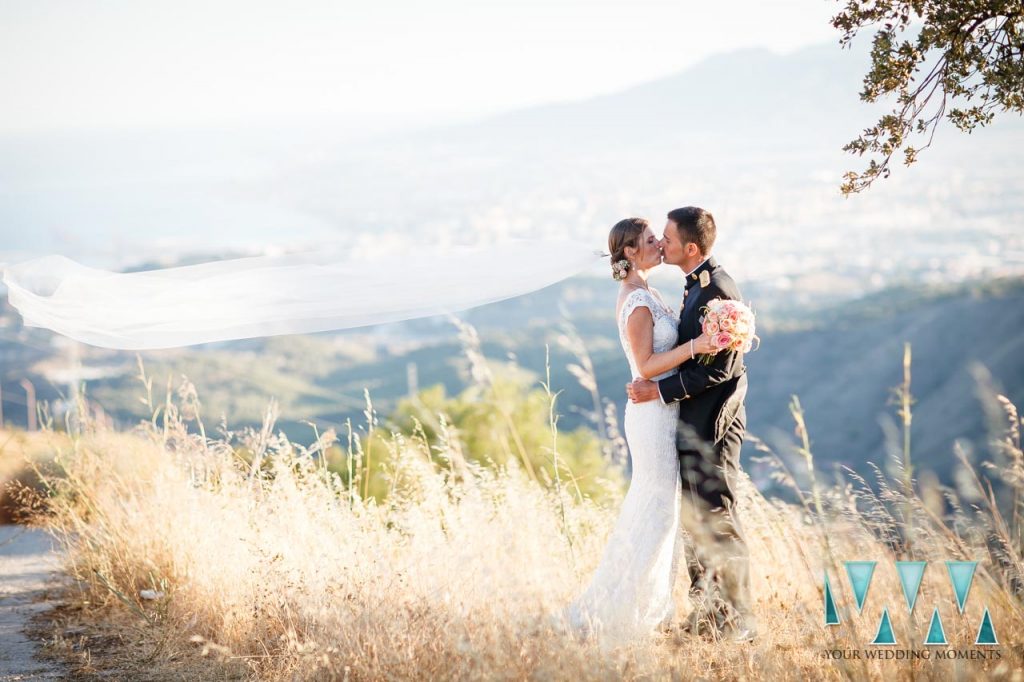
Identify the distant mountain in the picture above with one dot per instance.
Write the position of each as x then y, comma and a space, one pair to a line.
742, 96
736, 100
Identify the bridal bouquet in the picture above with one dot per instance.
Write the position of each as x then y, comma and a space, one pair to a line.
730, 324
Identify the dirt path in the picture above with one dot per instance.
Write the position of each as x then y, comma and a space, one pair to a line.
28, 566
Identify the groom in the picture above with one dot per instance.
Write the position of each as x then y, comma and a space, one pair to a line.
712, 423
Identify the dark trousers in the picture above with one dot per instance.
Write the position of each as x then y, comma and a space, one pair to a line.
717, 558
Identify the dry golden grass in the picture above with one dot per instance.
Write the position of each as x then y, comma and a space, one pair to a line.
22, 453
272, 568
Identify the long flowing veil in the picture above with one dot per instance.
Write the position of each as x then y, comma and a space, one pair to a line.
239, 298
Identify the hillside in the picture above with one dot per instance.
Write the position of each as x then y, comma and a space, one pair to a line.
841, 361
844, 369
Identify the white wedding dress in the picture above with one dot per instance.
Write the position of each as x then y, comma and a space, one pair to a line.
630, 594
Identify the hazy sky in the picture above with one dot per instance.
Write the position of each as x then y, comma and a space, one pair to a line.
70, 64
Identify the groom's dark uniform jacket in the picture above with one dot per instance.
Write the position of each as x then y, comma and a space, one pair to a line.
712, 416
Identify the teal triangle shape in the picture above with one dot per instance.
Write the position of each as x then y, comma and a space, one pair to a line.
986, 631
885, 635
831, 612
911, 573
936, 633
961, 574
860, 573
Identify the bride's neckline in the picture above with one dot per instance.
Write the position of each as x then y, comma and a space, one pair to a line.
643, 288
651, 293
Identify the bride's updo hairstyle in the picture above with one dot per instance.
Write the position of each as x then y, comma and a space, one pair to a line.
624, 233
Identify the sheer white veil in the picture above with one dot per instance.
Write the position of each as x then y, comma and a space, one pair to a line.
330, 288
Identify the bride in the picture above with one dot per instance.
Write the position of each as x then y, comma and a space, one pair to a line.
630, 594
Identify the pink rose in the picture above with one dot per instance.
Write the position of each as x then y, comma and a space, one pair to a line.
727, 325
723, 340
710, 328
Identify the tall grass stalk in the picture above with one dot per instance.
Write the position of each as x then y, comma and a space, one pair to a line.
556, 466
906, 418
481, 373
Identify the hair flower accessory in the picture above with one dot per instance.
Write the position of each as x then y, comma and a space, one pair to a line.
619, 269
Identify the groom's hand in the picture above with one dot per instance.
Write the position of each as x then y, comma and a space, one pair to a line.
642, 390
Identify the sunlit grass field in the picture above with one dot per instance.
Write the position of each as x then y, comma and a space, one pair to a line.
400, 550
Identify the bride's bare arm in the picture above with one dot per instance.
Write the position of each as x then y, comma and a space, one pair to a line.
640, 332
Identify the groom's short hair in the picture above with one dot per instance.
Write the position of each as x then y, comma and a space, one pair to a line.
695, 225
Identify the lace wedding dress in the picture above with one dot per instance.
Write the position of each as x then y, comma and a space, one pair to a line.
630, 593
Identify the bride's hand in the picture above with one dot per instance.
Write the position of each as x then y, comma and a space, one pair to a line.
703, 345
